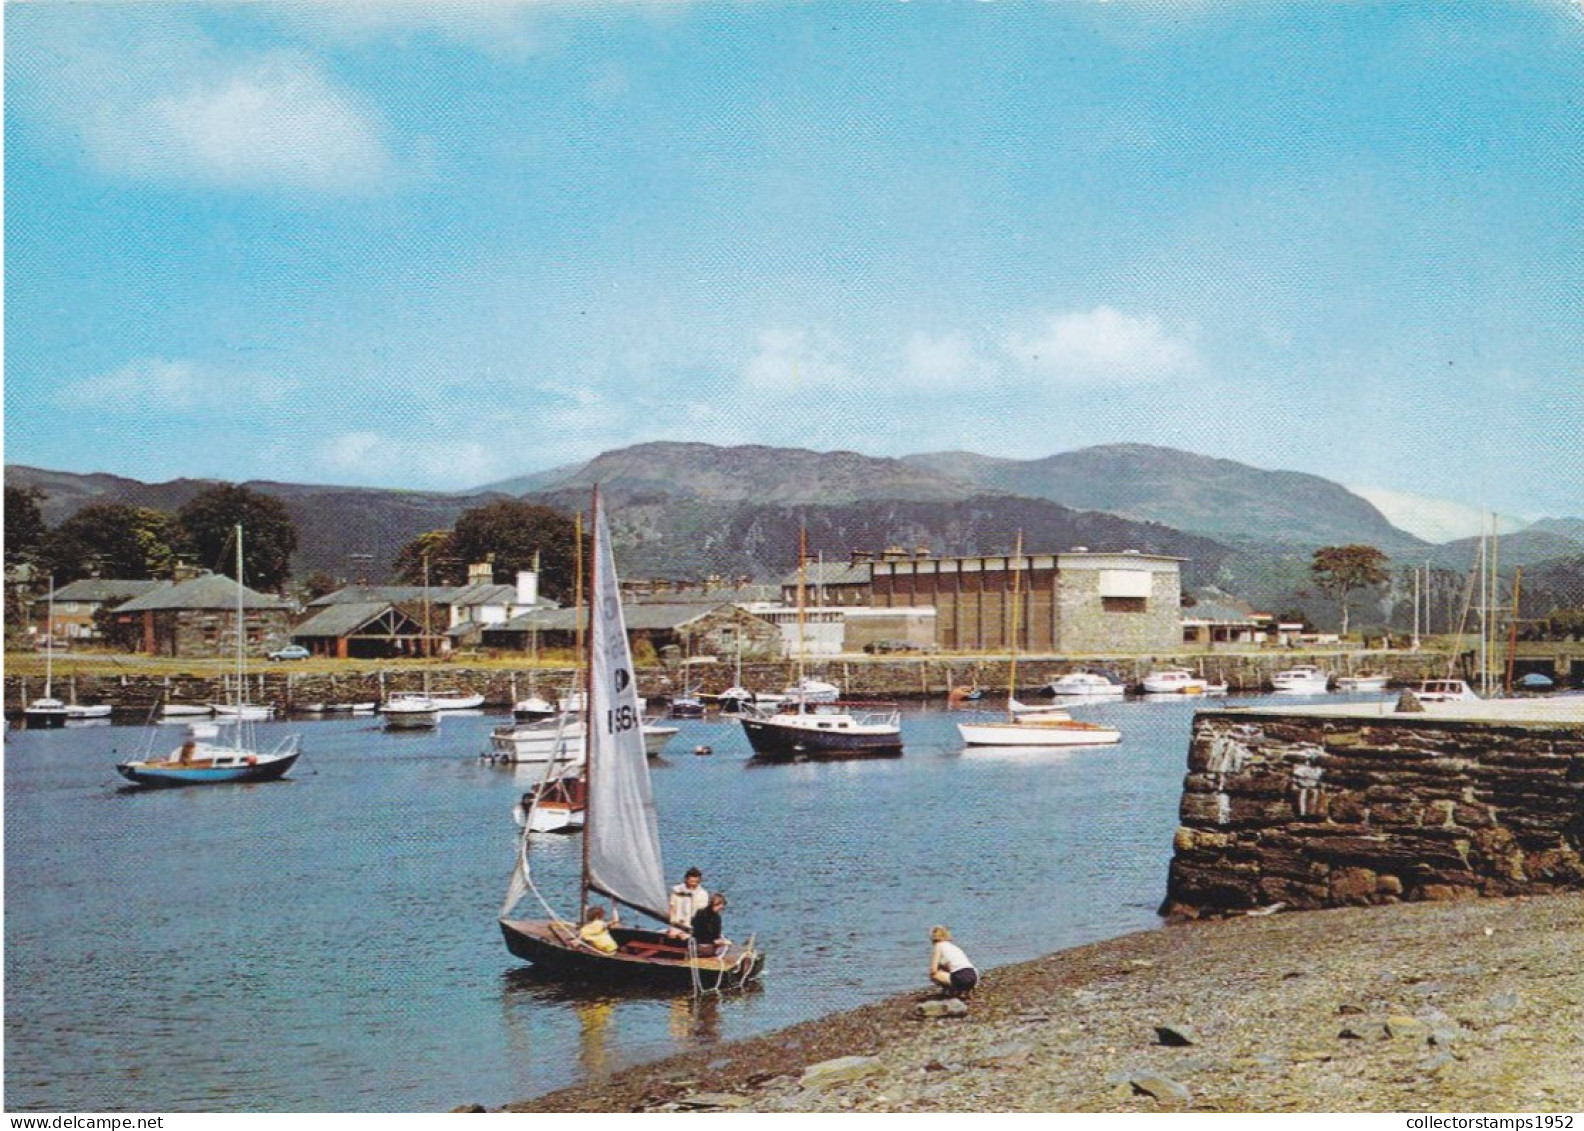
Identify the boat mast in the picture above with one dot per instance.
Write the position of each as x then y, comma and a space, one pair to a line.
1512, 630
802, 631
241, 637
1017, 564
49, 641
588, 702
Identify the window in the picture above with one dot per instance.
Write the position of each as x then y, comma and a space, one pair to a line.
1122, 604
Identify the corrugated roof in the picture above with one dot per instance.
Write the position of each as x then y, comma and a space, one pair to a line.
341, 620
212, 591
105, 589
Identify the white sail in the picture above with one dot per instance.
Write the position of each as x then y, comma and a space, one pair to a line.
621, 831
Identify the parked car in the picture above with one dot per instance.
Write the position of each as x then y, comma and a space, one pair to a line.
290, 652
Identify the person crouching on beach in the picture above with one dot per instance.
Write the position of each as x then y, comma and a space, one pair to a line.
949, 966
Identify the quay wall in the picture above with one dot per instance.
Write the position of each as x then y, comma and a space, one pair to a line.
132, 690
1311, 810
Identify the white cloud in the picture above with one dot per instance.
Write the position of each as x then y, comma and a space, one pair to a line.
793, 361
1433, 519
1104, 346
164, 385
373, 457
944, 362
272, 121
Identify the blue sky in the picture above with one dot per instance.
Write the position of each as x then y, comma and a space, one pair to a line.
433, 246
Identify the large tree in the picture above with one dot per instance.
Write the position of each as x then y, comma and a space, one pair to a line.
24, 524
269, 537
429, 557
1340, 571
114, 540
510, 535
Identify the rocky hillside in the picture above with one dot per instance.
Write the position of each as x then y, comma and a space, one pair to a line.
1217, 498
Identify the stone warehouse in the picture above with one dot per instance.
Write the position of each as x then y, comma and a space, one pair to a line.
1077, 601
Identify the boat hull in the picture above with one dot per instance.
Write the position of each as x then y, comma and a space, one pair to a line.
776, 741
554, 948
266, 769
44, 717
1069, 733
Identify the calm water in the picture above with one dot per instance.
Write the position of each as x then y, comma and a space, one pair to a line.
329, 942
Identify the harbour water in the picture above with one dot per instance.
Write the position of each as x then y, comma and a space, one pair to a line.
329, 943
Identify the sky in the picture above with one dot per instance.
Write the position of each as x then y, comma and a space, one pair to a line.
435, 246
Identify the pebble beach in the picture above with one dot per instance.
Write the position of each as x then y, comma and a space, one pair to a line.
1471, 1006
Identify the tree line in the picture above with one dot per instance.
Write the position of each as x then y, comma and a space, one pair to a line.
133, 543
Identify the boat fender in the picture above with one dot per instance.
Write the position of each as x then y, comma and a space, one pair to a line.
702, 750
252, 759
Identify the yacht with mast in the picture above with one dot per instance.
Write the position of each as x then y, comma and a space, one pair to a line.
621, 839
810, 727
1022, 726
200, 759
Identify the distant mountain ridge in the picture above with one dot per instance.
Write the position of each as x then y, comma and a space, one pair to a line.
758, 474
1217, 498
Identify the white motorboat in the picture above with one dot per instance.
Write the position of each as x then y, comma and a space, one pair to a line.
1085, 685
456, 701
1176, 681
1445, 691
410, 710
533, 709
1305, 679
1363, 682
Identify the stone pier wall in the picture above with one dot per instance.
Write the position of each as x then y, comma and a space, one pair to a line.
1314, 811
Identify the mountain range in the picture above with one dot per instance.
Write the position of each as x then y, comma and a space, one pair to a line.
694, 510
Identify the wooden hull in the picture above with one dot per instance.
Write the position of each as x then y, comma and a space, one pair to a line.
1056, 733
161, 776
647, 958
775, 740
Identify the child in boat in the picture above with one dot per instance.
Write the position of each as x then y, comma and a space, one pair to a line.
949, 966
596, 932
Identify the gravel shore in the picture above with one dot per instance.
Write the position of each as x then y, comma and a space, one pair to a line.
1468, 1006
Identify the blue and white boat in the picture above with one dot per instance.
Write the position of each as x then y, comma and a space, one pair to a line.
200, 760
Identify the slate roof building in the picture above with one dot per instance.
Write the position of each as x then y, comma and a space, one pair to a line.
198, 618
76, 603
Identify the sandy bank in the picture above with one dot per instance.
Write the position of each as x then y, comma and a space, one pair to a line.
1470, 1006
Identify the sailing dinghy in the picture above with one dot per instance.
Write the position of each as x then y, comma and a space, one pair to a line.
621, 837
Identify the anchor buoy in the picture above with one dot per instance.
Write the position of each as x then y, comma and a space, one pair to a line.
701, 750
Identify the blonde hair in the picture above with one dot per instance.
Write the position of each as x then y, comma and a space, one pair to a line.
939, 934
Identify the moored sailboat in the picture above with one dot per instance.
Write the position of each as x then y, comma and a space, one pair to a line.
201, 761
1023, 725
810, 725
621, 841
